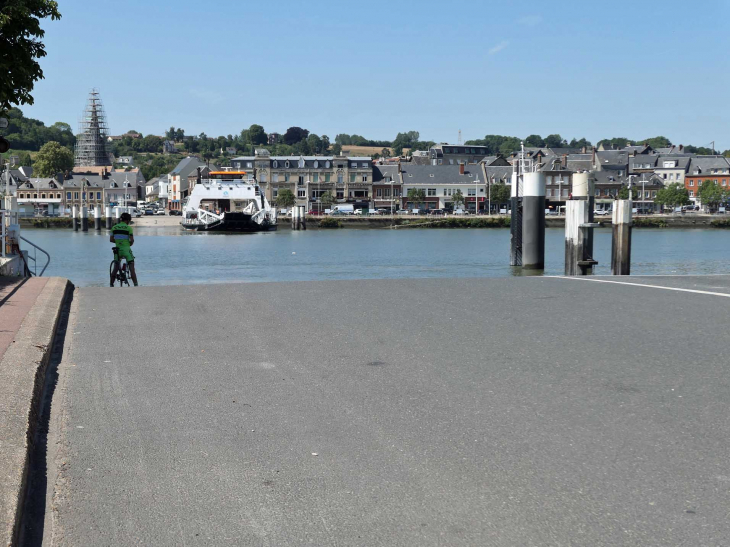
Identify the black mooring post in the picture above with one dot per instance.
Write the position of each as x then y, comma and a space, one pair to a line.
533, 221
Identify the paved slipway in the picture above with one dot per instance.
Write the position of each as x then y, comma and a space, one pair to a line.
521, 411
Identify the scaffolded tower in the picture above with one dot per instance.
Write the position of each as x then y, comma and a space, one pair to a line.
91, 147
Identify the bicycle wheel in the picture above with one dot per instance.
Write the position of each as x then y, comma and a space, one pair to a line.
111, 271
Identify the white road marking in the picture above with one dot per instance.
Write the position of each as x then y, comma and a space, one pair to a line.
696, 291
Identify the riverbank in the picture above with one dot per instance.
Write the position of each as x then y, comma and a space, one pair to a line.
402, 221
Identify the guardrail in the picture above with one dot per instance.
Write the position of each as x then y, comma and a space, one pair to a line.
35, 255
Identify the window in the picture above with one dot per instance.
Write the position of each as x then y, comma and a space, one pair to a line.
691, 193
724, 182
445, 192
327, 164
647, 193
352, 177
699, 183
365, 178
76, 195
451, 162
275, 192
441, 162
249, 164
300, 180
339, 178
316, 164
691, 182
354, 165
301, 193
327, 177
83, 195
379, 193
43, 196
286, 164
276, 163
340, 194
715, 181
98, 196
471, 192
396, 192
315, 177
598, 192
365, 164
68, 195
431, 192
275, 177
653, 193
301, 163
549, 192
263, 176
286, 177
671, 176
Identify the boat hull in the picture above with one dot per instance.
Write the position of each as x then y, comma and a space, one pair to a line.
232, 222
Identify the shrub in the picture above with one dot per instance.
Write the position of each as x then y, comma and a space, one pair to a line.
329, 222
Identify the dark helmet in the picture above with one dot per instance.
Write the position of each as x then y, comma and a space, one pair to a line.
126, 217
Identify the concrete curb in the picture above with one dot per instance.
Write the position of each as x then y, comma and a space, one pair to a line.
22, 377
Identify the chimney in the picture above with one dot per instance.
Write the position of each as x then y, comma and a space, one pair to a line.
461, 168
199, 177
593, 159
681, 147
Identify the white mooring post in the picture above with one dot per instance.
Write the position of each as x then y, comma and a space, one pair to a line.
97, 218
84, 219
621, 243
75, 218
303, 217
108, 213
533, 221
294, 218
578, 227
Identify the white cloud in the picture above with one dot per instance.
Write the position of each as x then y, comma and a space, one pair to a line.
499, 47
530, 20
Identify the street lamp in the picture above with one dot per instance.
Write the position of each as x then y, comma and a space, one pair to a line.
476, 196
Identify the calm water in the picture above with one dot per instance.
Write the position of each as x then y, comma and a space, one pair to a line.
168, 256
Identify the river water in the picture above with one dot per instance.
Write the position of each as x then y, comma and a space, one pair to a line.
169, 256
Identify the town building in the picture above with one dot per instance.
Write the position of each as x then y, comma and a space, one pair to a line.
349, 179
453, 154
387, 186
178, 179
440, 183
672, 168
701, 168
273, 138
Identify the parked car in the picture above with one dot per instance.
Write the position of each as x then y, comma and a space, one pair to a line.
402, 212
161, 212
601, 212
149, 212
436, 212
173, 213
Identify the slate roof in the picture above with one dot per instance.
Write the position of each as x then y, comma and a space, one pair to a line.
186, 166
579, 162
642, 159
382, 171
615, 158
499, 173
682, 161
442, 174
703, 165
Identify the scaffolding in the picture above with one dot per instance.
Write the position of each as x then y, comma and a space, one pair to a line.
91, 146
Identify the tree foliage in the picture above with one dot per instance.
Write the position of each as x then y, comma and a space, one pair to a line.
327, 198
21, 47
500, 193
52, 159
672, 195
28, 134
285, 198
711, 194
295, 135
256, 134
458, 198
416, 195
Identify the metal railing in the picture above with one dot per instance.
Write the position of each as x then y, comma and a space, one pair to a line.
34, 257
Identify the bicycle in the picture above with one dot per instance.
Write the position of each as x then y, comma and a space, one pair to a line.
122, 269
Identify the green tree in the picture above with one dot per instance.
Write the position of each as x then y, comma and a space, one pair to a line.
315, 143
500, 193
256, 134
294, 135
534, 140
711, 194
336, 149
615, 143
417, 196
657, 142
509, 145
325, 143
285, 198
623, 192
405, 140
179, 134
24, 158
385, 152
672, 195
52, 159
328, 198
20, 34
554, 141
579, 143
458, 198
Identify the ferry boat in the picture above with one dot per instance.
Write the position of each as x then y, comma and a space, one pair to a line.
227, 201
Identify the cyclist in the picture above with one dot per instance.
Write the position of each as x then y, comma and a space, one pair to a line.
123, 238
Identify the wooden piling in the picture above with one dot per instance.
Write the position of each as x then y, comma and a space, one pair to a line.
621, 242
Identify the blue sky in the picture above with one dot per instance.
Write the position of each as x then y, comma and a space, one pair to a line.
581, 69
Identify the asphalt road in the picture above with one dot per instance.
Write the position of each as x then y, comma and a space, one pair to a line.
520, 411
